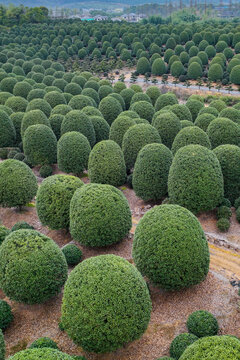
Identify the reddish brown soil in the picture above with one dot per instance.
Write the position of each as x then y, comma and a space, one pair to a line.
170, 309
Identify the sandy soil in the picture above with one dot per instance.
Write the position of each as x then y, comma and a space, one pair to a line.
170, 309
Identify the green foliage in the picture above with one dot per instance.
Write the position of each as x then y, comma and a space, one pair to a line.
158, 67
78, 102
223, 131
17, 103
194, 106
106, 164
218, 104
144, 109
230, 113
6, 316
2, 346
72, 254
203, 120
101, 127
18, 184
4, 231
194, 71
110, 108
99, 215
153, 92
191, 163
143, 66
127, 95
119, 127
238, 214
43, 342
33, 117
224, 212
101, 282
56, 123
55, 98
234, 75
180, 343
165, 100
223, 224
182, 112
43, 354
21, 225
53, 200
33, 268
202, 323
190, 135
168, 125
177, 69
170, 248
7, 130
215, 72
45, 171
40, 104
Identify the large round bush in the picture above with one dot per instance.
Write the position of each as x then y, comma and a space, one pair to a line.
55, 98
110, 108
202, 323
223, 131
7, 130
180, 343
106, 164
151, 170
165, 100
16, 103
40, 104
43, 354
170, 248
144, 109
99, 291
195, 179
33, 117
203, 121
168, 125
53, 200
18, 184
32, 267
101, 128
119, 127
190, 135
99, 215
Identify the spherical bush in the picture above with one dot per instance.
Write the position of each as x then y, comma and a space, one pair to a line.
153, 92
7, 130
33, 268
150, 174
135, 138
164, 100
101, 128
202, 323
36, 94
119, 127
43, 342
170, 248
144, 109
53, 200
194, 106
100, 283
104, 220
55, 98
72, 254
110, 109
78, 102
209, 110
223, 131
203, 120
190, 164
33, 117
168, 125
231, 113
18, 184
106, 164
56, 123
21, 225
43, 354
182, 112
73, 151
224, 212
213, 348
104, 91
45, 171
4, 231
61, 109
2, 346
223, 224
40, 145
17, 103
127, 95
194, 71
73, 89
218, 104
180, 343
190, 135
40, 104
6, 315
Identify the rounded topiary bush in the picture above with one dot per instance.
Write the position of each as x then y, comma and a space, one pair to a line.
72, 254
110, 108
56, 123
119, 127
182, 112
202, 323
209, 110
6, 315
231, 113
4, 231
223, 131
213, 348
2, 346
7, 130
45, 171
40, 145
73, 151
99, 215
218, 104
55, 98
168, 125
101, 128
194, 71
135, 138
165, 100
53, 200
78, 102
144, 109
43, 342
180, 343
40, 104
203, 120
43, 354
33, 117
32, 267
101, 282
224, 212
21, 225
18, 184
194, 107
223, 224
16, 103
150, 174
195, 179
170, 248
190, 135
106, 164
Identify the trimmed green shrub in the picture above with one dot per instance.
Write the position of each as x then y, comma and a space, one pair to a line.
180, 343
170, 248
110, 108
203, 120
214, 347
186, 123
231, 113
21, 225
18, 184
7, 130
182, 112
101, 282
19, 156
17, 103
177, 69
135, 138
209, 110
53, 200
73, 151
234, 75
2, 346
6, 316
17, 122
168, 125
72, 254
7, 84
33, 117
78, 102
158, 67
139, 96
202, 323
56, 123
144, 109
43, 342
6, 109
119, 128
104, 91
91, 111
36, 94
101, 127
73, 89
45, 171
4, 231
127, 95
119, 86
55, 98
194, 71
218, 104
191, 163
119, 98
92, 94
215, 72
99, 215
194, 107
22, 89
153, 92
223, 131
150, 174
40, 104
40, 145
224, 212
43, 354
106, 164
61, 109
33, 268
143, 66
223, 224
165, 100
190, 135
4, 96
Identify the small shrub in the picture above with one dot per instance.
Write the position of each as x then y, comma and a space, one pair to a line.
223, 224
194, 106
21, 225
45, 171
180, 343
202, 323
119, 128
224, 212
6, 315
2, 346
144, 109
33, 117
101, 128
203, 120
43, 342
72, 254
40, 104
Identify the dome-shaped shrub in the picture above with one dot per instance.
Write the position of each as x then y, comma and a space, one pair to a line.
4, 231
18, 184
202, 323
33, 117
72, 253
229, 158
119, 127
223, 131
2, 346
177, 68
43, 354
40, 145
182, 112
40, 104
106, 164
36, 94
56, 123
7, 84
17, 122
170, 248
110, 108
7, 130
150, 174
158, 67
195, 179
218, 104
213, 348
101, 127
168, 125
32, 267
78, 102
135, 138
61, 109
231, 113
92, 94
6, 315
165, 100
16, 103
73, 89
99, 283
190, 135
55, 98
43, 342
203, 120
73, 151
153, 92
21, 225
143, 66
194, 106
104, 91
209, 110
180, 343
53, 200
234, 75
91, 111
194, 71
215, 72
144, 109
104, 220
